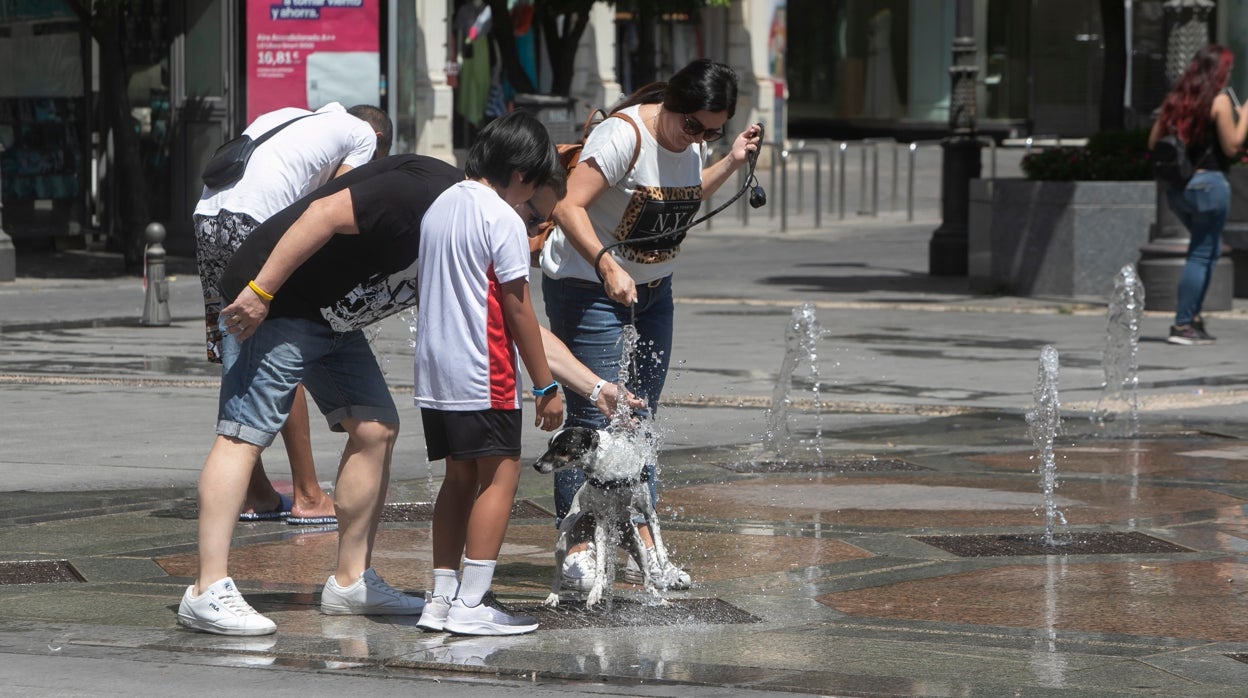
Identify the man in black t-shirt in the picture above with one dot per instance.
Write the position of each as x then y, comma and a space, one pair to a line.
292, 285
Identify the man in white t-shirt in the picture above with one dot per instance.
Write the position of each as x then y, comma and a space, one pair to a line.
305, 154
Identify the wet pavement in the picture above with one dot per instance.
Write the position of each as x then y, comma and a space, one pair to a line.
894, 552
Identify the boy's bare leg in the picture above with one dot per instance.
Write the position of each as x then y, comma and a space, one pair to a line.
222, 484
363, 476
451, 510
498, 476
310, 499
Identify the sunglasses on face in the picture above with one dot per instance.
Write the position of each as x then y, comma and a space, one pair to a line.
693, 127
534, 220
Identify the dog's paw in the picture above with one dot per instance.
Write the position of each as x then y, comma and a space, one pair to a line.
552, 600
594, 596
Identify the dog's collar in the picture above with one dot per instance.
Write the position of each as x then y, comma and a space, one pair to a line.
612, 484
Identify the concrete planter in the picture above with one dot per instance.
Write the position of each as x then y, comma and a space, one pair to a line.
1055, 239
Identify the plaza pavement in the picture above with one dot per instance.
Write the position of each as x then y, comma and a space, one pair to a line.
819, 571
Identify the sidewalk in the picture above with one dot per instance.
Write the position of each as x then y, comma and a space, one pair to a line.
816, 572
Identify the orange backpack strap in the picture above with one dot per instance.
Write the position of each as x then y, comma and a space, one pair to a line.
636, 142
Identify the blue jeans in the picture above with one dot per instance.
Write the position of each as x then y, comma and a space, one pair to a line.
591, 324
260, 374
1202, 207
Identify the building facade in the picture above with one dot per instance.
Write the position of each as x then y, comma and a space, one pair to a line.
194, 72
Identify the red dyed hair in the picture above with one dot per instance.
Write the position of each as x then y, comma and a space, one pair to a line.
1185, 110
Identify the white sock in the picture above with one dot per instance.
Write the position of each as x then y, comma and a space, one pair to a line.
477, 577
445, 583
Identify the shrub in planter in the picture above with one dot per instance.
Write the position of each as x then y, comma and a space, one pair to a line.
1109, 155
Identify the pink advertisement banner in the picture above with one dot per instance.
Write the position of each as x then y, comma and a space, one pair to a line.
308, 53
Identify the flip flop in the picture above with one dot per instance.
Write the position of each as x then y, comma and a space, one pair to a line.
312, 520
281, 512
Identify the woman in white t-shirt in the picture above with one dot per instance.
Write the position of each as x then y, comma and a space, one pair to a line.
607, 202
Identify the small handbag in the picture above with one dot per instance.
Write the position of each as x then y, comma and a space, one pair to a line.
228, 164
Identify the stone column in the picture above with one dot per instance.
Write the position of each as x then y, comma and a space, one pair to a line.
1163, 257
960, 160
436, 97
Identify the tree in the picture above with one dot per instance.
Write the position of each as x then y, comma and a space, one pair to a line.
563, 23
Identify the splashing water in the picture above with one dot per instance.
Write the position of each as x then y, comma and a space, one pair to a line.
1120, 358
1045, 421
801, 339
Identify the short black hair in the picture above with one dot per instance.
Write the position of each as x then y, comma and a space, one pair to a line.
380, 123
517, 142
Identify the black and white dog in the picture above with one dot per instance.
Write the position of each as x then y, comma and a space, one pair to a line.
613, 492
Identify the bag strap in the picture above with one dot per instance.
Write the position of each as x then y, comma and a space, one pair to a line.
273, 131
636, 142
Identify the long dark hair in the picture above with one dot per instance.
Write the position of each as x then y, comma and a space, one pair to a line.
1185, 110
703, 85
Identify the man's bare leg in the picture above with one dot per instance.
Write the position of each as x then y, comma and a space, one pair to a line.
310, 499
363, 476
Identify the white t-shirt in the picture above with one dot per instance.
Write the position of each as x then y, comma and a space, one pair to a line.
471, 242
296, 160
660, 193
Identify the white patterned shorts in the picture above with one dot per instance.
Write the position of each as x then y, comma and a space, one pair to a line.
216, 239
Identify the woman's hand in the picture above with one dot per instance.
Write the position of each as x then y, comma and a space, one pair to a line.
747, 142
619, 286
244, 315
610, 397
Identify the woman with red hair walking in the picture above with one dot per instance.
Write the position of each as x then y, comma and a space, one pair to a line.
1200, 112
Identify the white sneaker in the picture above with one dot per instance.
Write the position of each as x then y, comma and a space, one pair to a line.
369, 595
486, 618
579, 572
669, 577
222, 610
434, 615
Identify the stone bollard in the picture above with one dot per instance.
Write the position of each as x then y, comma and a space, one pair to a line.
156, 305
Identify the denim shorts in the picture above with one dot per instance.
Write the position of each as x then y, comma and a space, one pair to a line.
260, 374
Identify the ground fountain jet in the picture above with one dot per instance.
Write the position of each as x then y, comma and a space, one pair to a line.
801, 340
1120, 358
1044, 421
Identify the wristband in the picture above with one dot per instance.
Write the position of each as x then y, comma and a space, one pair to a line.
539, 392
255, 288
593, 395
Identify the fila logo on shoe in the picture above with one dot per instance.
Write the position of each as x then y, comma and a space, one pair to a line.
214, 607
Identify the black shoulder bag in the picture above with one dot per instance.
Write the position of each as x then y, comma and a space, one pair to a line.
230, 161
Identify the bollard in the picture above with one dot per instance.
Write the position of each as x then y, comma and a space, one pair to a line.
840, 196
156, 304
914, 147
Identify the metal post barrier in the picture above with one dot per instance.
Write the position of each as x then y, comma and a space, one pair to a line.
875, 180
743, 204
800, 153
862, 182
784, 191
778, 148
893, 204
832, 177
992, 149
841, 195
914, 147
913, 152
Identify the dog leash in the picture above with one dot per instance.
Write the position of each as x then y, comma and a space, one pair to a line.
758, 199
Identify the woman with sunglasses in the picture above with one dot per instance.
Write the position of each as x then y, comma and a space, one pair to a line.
589, 296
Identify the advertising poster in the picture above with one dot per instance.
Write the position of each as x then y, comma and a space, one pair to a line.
308, 53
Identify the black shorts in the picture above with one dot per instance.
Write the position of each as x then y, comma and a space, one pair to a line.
470, 435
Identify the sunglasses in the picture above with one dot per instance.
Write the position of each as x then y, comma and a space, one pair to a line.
534, 221
693, 127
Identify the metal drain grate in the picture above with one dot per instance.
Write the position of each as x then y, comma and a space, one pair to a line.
38, 572
423, 511
842, 465
572, 615
1239, 657
1110, 543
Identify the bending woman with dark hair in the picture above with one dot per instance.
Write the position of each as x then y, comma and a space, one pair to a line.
607, 201
1199, 111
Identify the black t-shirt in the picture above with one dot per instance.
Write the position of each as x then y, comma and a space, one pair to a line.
390, 197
